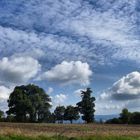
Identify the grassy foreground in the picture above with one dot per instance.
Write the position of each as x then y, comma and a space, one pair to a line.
36, 131
66, 138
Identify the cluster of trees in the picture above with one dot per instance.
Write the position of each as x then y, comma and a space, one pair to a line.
69, 113
84, 107
126, 117
30, 103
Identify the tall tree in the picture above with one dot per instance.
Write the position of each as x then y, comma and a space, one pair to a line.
59, 113
86, 106
71, 113
29, 100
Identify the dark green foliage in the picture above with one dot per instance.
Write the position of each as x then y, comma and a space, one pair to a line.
52, 118
135, 118
59, 113
86, 106
1, 114
114, 121
10, 118
71, 113
126, 118
29, 103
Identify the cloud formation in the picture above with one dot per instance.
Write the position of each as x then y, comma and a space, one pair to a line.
125, 93
74, 72
93, 33
59, 99
18, 69
5, 92
96, 32
127, 88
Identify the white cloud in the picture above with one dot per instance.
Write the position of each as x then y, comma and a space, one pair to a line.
59, 99
4, 95
127, 88
5, 92
108, 28
125, 93
44, 46
74, 72
94, 32
109, 107
18, 69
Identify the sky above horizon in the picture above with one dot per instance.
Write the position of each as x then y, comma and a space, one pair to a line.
65, 46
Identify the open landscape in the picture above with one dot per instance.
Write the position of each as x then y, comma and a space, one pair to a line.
68, 131
69, 69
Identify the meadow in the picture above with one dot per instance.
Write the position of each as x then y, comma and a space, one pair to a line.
36, 131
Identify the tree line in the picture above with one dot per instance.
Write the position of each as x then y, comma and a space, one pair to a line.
126, 117
30, 103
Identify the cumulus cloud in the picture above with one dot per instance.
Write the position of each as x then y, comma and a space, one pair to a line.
18, 69
59, 99
125, 93
74, 72
96, 32
127, 88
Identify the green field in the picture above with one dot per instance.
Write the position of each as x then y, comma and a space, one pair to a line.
28, 131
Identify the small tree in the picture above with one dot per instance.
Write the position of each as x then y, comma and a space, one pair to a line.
71, 113
59, 113
86, 106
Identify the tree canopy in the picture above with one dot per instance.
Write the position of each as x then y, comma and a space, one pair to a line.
126, 117
59, 113
71, 113
29, 102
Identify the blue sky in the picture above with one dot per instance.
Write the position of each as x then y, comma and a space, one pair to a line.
66, 46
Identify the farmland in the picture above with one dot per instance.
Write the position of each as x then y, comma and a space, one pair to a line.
13, 131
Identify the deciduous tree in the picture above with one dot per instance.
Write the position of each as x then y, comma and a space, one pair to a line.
59, 113
71, 113
29, 100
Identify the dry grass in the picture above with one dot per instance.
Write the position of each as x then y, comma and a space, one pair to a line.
68, 129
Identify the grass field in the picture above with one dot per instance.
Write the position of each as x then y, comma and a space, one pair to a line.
20, 131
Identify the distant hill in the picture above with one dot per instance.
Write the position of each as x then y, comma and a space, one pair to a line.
97, 118
105, 117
